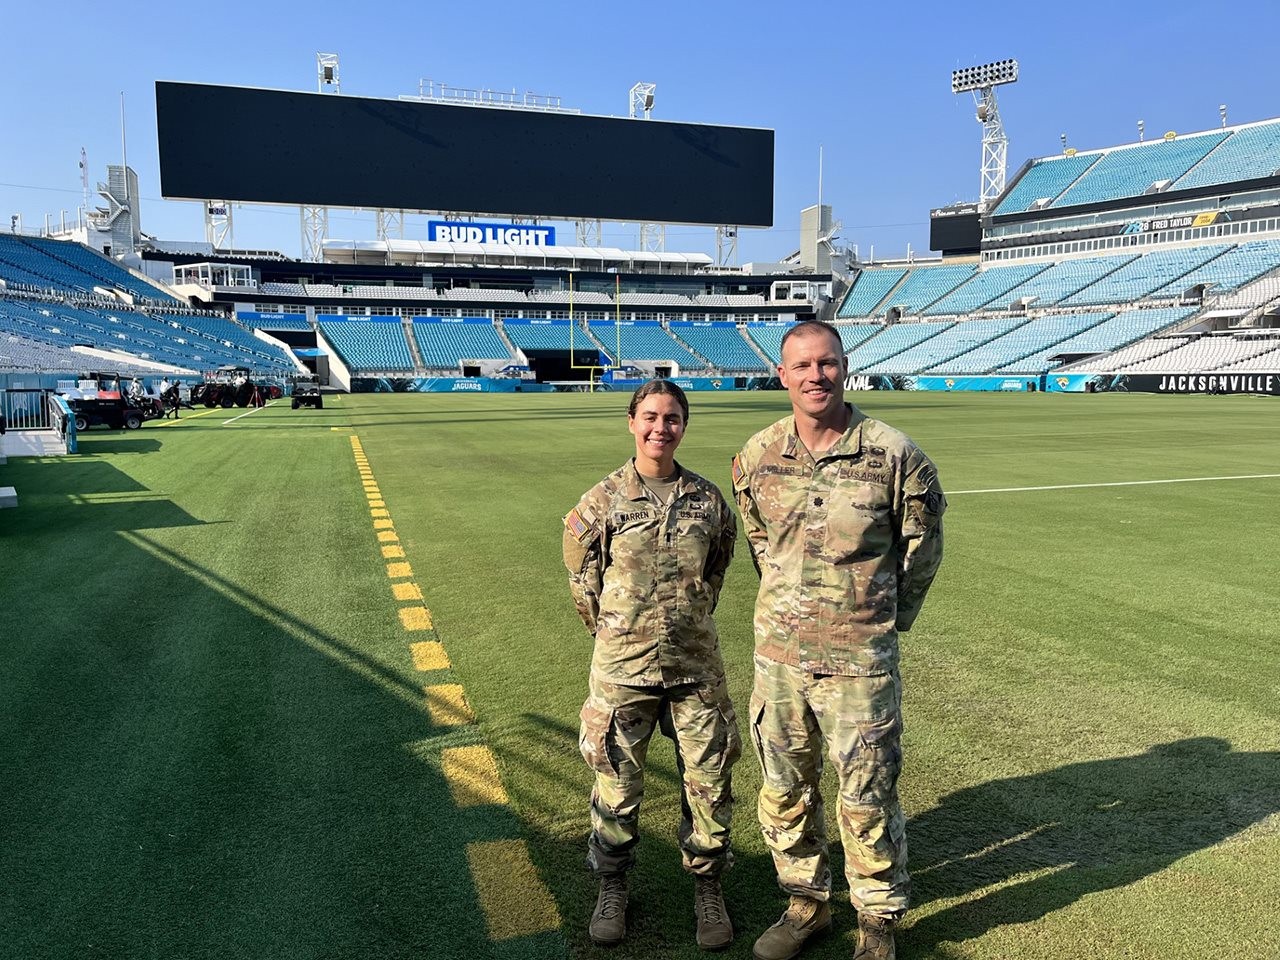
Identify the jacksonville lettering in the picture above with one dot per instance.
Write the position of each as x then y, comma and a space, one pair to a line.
1210, 383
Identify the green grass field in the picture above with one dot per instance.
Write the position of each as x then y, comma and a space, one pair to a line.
214, 741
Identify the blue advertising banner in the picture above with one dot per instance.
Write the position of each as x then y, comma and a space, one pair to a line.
514, 234
355, 318
447, 385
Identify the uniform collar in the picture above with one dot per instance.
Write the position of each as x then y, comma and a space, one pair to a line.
634, 488
849, 444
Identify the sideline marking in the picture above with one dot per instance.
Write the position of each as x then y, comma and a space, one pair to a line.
190, 416
429, 655
383, 523
415, 618
397, 570
390, 553
472, 775
515, 901
448, 705
388, 536
1121, 483
406, 590
247, 412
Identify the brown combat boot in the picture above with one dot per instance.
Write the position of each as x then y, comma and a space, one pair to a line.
715, 931
609, 919
875, 938
804, 918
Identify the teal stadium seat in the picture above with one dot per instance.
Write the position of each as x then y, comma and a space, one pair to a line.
1045, 179
957, 339
1248, 154
443, 344
369, 347
869, 288
1129, 171
983, 287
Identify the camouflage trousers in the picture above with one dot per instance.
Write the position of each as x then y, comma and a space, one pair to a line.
857, 722
617, 723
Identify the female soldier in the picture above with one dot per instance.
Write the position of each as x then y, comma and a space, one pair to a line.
647, 549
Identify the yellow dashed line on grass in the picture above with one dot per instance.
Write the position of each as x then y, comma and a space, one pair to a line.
407, 590
429, 655
515, 901
472, 775
415, 618
513, 897
448, 705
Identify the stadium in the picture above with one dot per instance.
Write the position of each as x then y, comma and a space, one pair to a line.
288, 682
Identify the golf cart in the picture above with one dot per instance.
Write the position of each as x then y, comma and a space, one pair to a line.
306, 392
102, 398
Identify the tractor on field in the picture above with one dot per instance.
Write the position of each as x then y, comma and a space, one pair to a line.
233, 387
306, 392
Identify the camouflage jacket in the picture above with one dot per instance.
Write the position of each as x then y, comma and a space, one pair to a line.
646, 577
846, 546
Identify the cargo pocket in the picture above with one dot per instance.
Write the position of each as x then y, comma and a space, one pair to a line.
880, 759
596, 737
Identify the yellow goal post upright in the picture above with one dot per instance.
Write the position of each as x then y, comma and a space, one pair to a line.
617, 329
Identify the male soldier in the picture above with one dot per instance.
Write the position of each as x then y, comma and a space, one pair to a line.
843, 515
647, 549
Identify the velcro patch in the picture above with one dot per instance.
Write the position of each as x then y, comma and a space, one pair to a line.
577, 526
738, 472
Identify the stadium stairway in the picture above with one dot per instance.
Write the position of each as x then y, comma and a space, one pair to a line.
406, 328
680, 340
755, 347
500, 329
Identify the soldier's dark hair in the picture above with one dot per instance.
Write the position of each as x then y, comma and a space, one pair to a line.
660, 387
807, 328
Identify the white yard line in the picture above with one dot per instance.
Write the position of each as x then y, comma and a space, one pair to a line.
247, 412
1122, 483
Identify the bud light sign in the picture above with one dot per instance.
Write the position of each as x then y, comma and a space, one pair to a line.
514, 234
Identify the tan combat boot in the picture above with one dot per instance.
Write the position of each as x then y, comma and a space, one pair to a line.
715, 931
609, 919
875, 938
804, 918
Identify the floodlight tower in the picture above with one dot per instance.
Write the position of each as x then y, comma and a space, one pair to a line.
653, 236
982, 82
327, 73
315, 219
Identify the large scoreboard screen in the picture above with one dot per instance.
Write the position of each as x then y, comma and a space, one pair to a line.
273, 146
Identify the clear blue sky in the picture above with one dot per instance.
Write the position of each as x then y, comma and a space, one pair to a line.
868, 81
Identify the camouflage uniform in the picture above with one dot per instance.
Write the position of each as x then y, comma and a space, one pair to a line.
646, 577
846, 546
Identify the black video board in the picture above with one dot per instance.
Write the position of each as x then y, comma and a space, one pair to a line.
273, 146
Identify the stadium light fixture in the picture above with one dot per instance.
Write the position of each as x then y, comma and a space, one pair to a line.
327, 73
1222, 112
982, 81
987, 75
1142, 130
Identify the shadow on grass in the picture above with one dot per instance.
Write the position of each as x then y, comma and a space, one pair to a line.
125, 444
191, 771
1085, 827
1076, 830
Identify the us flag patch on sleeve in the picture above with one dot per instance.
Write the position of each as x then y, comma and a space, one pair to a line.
737, 472
576, 525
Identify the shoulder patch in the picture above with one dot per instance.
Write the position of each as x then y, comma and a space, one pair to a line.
578, 527
737, 471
